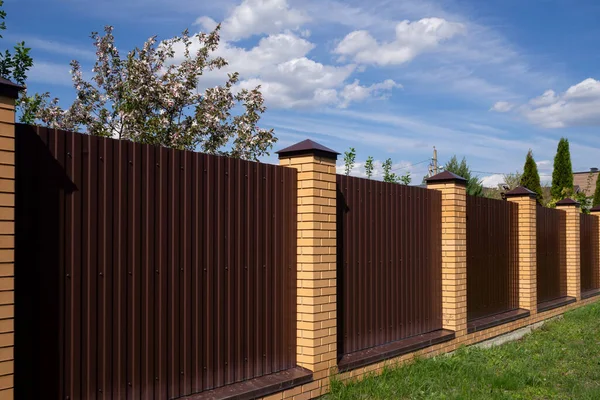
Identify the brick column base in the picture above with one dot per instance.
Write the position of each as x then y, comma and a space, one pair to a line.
454, 250
316, 279
8, 94
527, 247
573, 246
596, 212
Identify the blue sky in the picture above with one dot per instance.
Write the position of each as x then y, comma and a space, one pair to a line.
483, 79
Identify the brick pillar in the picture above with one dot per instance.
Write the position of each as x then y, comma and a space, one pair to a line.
8, 94
527, 246
454, 249
573, 246
596, 212
317, 319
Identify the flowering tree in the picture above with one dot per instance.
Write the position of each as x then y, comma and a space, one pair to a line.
148, 97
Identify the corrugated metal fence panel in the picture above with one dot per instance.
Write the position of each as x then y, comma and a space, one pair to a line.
590, 264
492, 257
551, 261
389, 262
173, 271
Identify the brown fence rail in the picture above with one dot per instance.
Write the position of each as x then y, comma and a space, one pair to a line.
146, 272
389, 262
590, 261
551, 257
492, 257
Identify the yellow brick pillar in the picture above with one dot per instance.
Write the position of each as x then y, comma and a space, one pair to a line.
573, 246
454, 249
596, 212
8, 94
527, 246
316, 279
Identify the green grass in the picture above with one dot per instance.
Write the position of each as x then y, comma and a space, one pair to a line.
561, 360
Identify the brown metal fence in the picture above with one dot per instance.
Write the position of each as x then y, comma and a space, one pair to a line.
389, 262
551, 257
590, 261
492, 257
146, 272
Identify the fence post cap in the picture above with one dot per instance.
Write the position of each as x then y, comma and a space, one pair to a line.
307, 147
521, 191
9, 89
447, 177
595, 209
567, 203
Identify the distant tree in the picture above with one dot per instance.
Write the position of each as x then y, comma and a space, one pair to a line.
349, 158
589, 182
562, 176
546, 190
585, 201
369, 167
531, 177
406, 179
513, 180
388, 175
474, 185
596, 201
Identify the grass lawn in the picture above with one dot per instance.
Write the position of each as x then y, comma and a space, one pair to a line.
561, 360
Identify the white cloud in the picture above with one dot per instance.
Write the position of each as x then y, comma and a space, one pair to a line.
207, 23
412, 39
253, 17
545, 99
544, 164
315, 91
270, 52
502, 107
56, 47
279, 63
579, 105
50, 73
545, 167
283, 96
492, 181
587, 89
356, 92
287, 77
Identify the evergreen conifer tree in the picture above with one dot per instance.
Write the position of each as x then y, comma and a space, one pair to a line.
531, 178
596, 201
562, 176
474, 186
